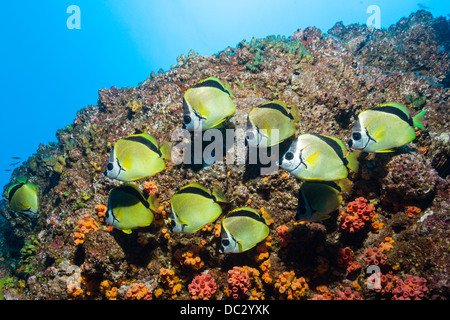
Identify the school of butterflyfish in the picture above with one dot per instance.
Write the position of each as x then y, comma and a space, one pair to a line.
320, 161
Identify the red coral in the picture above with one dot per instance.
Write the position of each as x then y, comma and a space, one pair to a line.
375, 256
358, 213
345, 260
382, 283
238, 283
202, 287
412, 288
284, 235
347, 294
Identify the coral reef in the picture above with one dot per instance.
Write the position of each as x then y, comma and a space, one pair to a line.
395, 217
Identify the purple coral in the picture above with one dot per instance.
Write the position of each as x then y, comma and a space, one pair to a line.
410, 176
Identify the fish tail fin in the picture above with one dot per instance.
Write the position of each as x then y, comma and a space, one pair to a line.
153, 202
219, 194
22, 179
417, 119
166, 151
345, 184
353, 163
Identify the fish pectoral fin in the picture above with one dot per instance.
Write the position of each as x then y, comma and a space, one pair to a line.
380, 134
323, 216
313, 158
127, 231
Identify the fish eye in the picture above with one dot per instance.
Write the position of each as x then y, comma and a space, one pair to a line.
289, 156
187, 119
356, 136
110, 166
225, 242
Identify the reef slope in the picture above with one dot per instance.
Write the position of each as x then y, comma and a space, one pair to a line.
331, 77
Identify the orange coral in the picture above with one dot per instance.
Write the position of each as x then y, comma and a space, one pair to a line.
190, 258
375, 224
386, 246
138, 291
170, 281
217, 230
101, 211
150, 188
244, 282
83, 227
74, 283
291, 287
411, 211
110, 292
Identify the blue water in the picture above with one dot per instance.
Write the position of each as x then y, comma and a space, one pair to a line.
48, 71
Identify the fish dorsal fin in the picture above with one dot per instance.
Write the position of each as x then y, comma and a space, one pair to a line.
336, 144
246, 212
395, 109
145, 139
277, 105
211, 82
133, 190
196, 188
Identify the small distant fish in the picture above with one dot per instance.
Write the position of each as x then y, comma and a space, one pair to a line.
15, 163
317, 199
7, 170
384, 127
136, 157
16, 158
193, 207
23, 197
242, 229
263, 119
207, 105
128, 208
318, 157
422, 6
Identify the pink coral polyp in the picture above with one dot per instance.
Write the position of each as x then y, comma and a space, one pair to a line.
202, 287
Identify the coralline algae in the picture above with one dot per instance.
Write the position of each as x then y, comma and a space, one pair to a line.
331, 78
